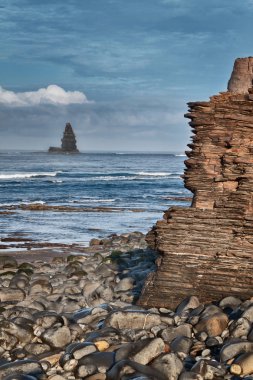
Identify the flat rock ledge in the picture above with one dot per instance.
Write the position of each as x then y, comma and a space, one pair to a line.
75, 317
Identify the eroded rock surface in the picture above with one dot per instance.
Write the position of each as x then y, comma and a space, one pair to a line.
68, 142
208, 248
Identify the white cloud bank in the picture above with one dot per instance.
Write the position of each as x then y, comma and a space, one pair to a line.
53, 94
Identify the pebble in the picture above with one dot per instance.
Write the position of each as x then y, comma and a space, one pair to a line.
75, 317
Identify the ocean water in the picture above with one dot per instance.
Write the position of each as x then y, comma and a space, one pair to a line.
116, 192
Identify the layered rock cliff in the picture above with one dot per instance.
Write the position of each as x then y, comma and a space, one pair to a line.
207, 249
68, 142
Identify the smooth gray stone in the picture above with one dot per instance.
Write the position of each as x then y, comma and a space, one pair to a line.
77, 351
187, 304
248, 313
181, 344
125, 284
169, 365
209, 368
20, 377
190, 376
114, 372
171, 332
57, 337
132, 320
250, 336
230, 301
130, 349
28, 367
149, 352
240, 328
234, 348
96, 362
210, 310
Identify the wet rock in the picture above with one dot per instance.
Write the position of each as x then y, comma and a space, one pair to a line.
56, 377
22, 333
11, 295
240, 328
243, 365
187, 304
93, 363
171, 332
233, 349
8, 262
169, 365
213, 325
209, 369
125, 366
248, 314
230, 301
125, 284
132, 320
37, 348
190, 376
181, 344
77, 351
28, 367
250, 336
57, 337
152, 349
40, 286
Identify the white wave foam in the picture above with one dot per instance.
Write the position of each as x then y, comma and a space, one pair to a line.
112, 178
33, 203
21, 203
137, 176
56, 181
28, 175
154, 174
101, 200
180, 155
93, 200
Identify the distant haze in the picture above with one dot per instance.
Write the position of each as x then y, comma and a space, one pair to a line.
120, 71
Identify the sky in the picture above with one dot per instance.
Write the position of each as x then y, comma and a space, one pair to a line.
120, 71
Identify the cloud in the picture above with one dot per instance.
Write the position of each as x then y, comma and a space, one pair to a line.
53, 94
132, 124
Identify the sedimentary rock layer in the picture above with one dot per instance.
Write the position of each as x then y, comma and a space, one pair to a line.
208, 248
68, 142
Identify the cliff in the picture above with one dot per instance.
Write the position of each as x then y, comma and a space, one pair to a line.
207, 249
68, 142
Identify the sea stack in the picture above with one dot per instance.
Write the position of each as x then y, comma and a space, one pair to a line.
207, 249
68, 142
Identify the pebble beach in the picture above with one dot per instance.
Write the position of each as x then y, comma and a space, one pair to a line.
76, 316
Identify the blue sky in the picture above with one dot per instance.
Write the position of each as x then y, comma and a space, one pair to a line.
120, 71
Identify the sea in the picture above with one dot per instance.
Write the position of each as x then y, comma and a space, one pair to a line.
100, 193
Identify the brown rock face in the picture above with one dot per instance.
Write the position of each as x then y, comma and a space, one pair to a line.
208, 248
242, 76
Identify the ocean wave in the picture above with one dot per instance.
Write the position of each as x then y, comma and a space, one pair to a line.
8, 204
28, 175
155, 174
112, 178
55, 181
180, 155
92, 200
134, 177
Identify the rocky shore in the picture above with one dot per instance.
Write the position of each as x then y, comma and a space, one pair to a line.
76, 316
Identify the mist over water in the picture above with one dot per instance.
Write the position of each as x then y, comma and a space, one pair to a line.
130, 188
